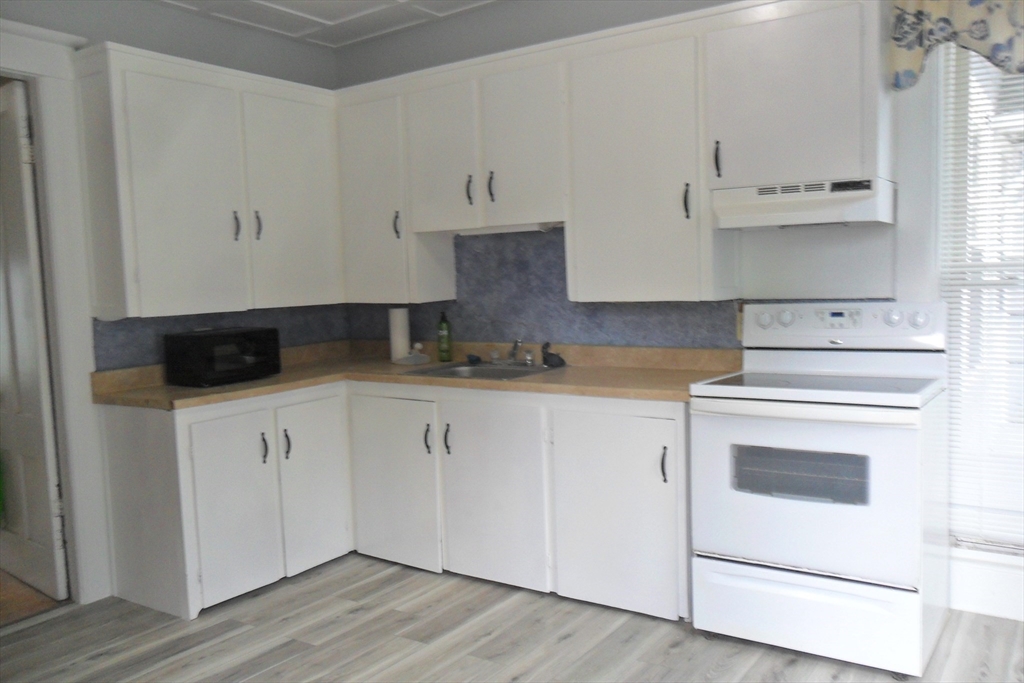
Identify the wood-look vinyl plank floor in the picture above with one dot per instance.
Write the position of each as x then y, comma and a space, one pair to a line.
363, 619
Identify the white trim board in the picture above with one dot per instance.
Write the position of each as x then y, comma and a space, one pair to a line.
986, 583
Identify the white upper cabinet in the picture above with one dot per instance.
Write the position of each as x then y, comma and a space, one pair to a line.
209, 190
188, 191
525, 138
445, 188
292, 175
795, 99
373, 216
633, 229
488, 152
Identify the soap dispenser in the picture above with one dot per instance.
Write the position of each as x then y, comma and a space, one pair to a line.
444, 339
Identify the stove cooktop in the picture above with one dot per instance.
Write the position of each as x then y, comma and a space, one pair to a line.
899, 392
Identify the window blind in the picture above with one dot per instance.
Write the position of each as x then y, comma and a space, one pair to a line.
981, 276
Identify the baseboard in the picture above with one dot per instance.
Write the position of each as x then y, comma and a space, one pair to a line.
986, 583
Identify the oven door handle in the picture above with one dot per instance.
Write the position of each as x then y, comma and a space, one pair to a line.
814, 412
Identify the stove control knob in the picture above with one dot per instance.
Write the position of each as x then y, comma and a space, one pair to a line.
765, 320
919, 319
786, 318
893, 317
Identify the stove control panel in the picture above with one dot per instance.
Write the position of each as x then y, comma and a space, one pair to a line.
882, 325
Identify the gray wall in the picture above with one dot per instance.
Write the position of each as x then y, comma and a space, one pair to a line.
488, 29
169, 30
496, 27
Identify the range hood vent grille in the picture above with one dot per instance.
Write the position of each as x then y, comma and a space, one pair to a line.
860, 201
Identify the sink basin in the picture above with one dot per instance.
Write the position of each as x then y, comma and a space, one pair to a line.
499, 371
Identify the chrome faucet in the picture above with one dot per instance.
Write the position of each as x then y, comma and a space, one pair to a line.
514, 351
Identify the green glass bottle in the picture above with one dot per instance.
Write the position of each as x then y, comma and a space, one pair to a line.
444, 339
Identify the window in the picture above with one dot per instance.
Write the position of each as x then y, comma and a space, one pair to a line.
981, 275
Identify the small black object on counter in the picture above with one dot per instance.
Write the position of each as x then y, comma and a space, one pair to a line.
473, 359
551, 360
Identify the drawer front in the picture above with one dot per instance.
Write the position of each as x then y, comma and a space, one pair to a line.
854, 622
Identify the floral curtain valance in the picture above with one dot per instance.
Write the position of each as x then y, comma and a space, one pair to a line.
992, 28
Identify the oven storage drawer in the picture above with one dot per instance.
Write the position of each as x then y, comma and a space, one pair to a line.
846, 620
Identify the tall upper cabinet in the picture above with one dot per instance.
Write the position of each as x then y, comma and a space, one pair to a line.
208, 190
633, 229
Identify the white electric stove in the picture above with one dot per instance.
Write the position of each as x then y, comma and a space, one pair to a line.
818, 480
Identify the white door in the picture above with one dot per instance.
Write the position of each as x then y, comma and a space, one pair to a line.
373, 218
525, 136
446, 191
395, 480
616, 530
785, 99
495, 527
185, 151
829, 488
295, 228
31, 538
315, 488
238, 504
633, 225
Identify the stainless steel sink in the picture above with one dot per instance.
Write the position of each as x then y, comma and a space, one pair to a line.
499, 371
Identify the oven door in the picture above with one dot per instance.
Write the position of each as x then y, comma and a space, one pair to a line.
820, 487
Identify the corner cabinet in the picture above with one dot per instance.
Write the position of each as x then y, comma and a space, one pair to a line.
208, 190
211, 502
632, 233
385, 262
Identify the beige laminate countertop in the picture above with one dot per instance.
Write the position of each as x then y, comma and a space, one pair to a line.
607, 381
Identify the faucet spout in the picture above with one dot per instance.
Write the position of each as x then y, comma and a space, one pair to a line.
514, 351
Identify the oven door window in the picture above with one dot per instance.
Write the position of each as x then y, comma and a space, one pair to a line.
802, 475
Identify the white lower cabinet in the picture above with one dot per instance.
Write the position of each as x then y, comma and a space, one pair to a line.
211, 502
395, 480
495, 526
238, 504
616, 523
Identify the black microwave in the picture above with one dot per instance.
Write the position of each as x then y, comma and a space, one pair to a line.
210, 358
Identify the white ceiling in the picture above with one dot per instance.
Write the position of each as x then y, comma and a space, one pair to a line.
328, 22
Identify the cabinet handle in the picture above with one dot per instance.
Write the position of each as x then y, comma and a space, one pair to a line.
287, 445
394, 226
426, 434
238, 226
686, 200
469, 189
266, 447
664, 454
447, 428
490, 185
259, 225
718, 165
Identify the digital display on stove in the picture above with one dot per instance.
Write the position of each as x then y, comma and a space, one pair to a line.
838, 314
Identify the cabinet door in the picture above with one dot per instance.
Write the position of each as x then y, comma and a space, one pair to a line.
315, 488
633, 226
238, 504
372, 203
185, 152
785, 99
394, 480
294, 224
525, 141
446, 191
493, 492
616, 532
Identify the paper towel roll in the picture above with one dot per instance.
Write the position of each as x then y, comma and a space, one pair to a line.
398, 324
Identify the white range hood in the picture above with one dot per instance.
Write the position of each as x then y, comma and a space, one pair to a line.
865, 201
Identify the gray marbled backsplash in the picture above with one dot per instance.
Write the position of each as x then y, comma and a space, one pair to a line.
508, 286
513, 285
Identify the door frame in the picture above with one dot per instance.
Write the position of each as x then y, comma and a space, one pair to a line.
44, 60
